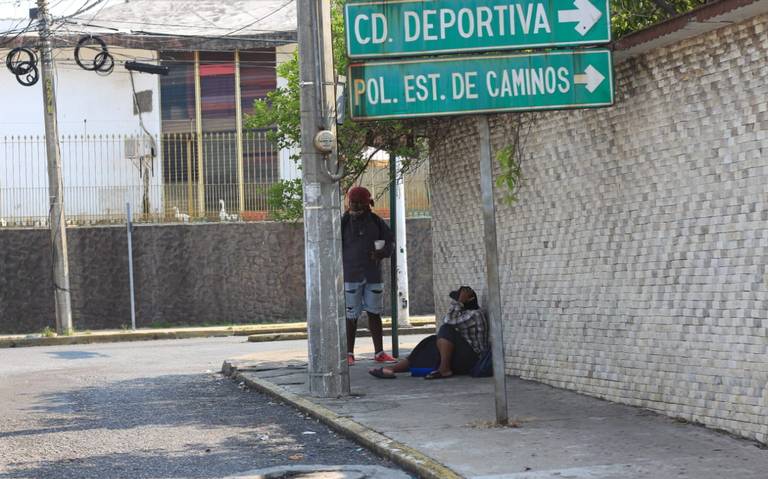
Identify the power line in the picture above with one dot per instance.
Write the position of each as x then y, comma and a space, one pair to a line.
72, 43
63, 23
225, 36
206, 38
84, 9
20, 33
187, 25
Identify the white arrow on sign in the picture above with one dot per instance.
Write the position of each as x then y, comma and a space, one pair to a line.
591, 77
586, 14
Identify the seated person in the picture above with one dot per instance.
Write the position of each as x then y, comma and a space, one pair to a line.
459, 343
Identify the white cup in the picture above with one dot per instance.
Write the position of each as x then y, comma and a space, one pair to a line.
379, 244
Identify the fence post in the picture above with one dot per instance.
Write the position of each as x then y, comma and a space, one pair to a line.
130, 264
190, 189
239, 127
199, 130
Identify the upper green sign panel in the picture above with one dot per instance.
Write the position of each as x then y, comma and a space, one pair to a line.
408, 28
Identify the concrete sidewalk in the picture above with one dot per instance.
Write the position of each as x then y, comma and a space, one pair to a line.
255, 332
426, 425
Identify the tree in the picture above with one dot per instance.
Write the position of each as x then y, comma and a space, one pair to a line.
632, 15
358, 142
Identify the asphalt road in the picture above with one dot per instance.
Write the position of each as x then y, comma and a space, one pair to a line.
154, 409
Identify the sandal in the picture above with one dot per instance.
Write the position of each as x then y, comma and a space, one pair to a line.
380, 374
436, 375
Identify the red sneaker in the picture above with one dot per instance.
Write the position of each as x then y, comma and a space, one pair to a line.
383, 357
350, 359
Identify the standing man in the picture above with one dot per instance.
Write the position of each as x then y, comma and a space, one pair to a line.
366, 240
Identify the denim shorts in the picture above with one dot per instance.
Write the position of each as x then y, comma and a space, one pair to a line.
363, 296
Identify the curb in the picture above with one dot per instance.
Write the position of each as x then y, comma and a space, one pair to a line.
260, 333
362, 333
112, 338
405, 456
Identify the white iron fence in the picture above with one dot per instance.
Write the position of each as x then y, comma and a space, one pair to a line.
172, 178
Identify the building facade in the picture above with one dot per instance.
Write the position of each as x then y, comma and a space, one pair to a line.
174, 146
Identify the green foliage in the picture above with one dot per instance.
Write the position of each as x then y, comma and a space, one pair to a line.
286, 200
510, 157
357, 142
280, 109
48, 332
631, 15
511, 172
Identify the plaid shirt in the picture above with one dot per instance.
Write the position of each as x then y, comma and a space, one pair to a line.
471, 323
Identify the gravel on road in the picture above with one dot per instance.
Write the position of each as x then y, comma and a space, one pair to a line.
149, 411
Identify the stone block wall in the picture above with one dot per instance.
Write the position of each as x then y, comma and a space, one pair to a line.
634, 265
184, 274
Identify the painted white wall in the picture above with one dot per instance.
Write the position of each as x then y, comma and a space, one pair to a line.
289, 169
88, 103
98, 177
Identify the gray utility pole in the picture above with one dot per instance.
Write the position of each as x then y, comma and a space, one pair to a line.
55, 183
328, 370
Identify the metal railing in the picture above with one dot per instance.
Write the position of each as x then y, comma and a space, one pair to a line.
101, 173
175, 177
202, 196
416, 182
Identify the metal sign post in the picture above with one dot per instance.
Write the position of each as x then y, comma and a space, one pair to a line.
393, 258
492, 270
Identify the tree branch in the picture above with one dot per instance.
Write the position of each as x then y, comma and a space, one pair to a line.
665, 6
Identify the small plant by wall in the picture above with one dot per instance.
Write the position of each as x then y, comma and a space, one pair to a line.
510, 156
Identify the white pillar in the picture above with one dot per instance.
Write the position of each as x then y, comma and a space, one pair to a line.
402, 254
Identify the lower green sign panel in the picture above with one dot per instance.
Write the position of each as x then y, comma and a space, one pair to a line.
480, 84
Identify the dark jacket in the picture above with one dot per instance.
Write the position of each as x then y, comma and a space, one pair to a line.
357, 237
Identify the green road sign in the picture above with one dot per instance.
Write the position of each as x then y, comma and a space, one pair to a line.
480, 84
408, 28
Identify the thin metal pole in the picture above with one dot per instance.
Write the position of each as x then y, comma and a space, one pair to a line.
129, 227
393, 259
190, 189
239, 128
403, 301
492, 270
56, 221
326, 326
199, 134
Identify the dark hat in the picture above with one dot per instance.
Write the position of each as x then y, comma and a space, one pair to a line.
360, 194
471, 304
